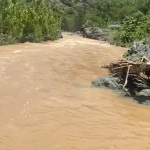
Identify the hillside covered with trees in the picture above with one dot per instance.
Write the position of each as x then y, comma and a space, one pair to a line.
37, 20
132, 15
104, 12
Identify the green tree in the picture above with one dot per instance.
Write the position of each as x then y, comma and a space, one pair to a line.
25, 20
134, 27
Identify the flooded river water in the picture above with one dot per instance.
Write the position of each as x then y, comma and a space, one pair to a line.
47, 103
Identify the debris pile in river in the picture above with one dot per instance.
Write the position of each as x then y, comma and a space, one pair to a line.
130, 76
126, 68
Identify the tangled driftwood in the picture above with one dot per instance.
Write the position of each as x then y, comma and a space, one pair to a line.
124, 67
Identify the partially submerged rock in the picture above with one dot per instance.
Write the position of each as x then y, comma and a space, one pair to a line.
139, 90
94, 33
145, 92
109, 82
143, 97
91, 30
137, 51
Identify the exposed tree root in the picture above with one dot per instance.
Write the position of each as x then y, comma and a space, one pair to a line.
124, 67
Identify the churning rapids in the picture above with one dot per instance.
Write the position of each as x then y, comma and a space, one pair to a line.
47, 103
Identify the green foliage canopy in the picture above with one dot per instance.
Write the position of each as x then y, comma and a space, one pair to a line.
27, 21
134, 28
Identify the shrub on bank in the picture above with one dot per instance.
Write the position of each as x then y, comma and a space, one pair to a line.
32, 21
134, 28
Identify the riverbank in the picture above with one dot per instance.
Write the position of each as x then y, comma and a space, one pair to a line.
135, 83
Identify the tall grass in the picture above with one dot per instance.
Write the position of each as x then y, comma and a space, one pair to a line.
32, 21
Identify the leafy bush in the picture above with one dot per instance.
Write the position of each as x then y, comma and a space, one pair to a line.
134, 28
21, 21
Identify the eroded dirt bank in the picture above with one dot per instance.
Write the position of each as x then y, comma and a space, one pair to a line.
47, 103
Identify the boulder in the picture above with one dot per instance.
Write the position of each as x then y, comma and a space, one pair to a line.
94, 33
108, 81
91, 30
144, 92
143, 97
137, 51
112, 83
137, 89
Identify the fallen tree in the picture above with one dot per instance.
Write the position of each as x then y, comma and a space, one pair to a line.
124, 67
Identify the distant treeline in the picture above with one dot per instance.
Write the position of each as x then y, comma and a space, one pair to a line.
75, 12
38, 20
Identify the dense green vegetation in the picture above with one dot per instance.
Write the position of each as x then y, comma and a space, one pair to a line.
27, 20
133, 15
135, 27
75, 12
37, 20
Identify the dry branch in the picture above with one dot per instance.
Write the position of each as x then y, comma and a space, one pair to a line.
124, 67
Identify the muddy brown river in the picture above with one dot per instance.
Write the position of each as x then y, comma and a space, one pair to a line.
47, 103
